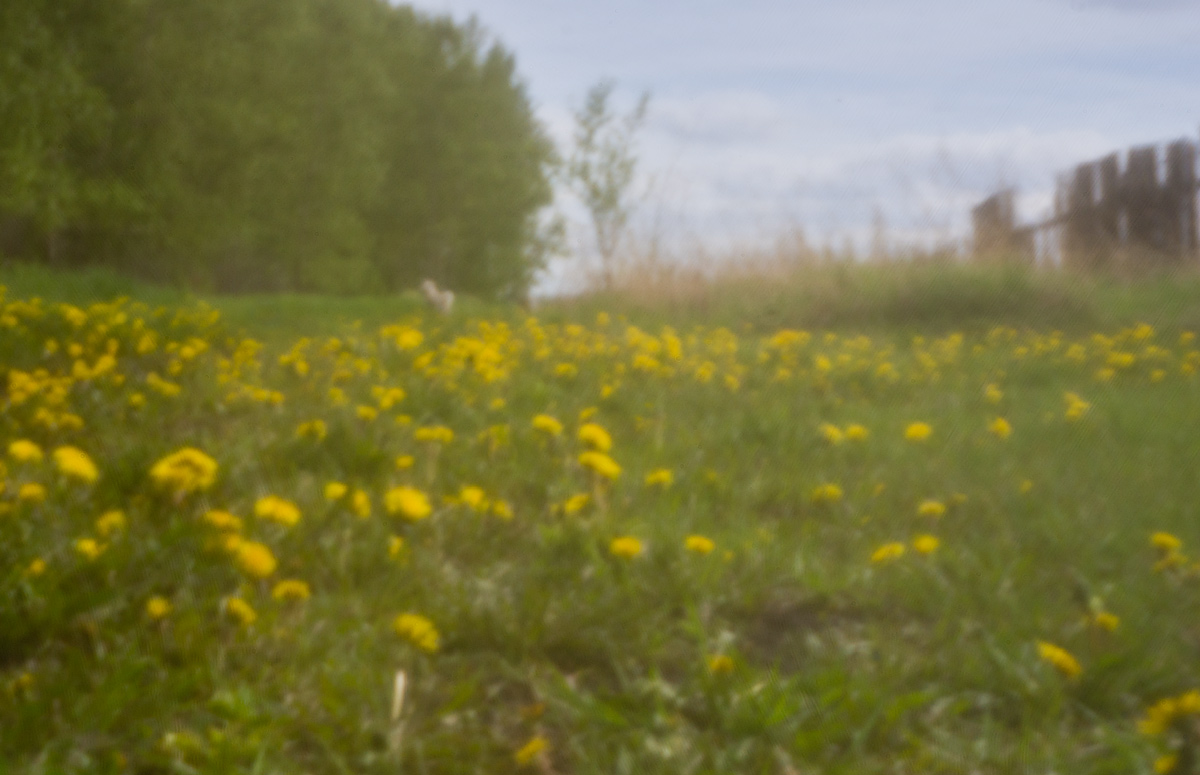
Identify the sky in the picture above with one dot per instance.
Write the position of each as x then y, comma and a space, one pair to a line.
836, 118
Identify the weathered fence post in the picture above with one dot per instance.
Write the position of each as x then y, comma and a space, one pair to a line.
1081, 233
1108, 210
1103, 214
1142, 201
1180, 196
995, 233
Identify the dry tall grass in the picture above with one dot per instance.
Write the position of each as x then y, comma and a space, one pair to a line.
791, 283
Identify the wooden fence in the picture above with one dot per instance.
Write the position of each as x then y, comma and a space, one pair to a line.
1131, 210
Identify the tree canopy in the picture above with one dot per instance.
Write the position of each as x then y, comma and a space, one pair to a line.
235, 145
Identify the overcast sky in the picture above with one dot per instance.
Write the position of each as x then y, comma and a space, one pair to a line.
771, 113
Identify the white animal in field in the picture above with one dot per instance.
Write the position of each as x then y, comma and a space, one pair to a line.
441, 300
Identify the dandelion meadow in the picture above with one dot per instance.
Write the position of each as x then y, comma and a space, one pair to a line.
507, 544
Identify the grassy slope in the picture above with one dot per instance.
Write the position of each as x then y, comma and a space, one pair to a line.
908, 297
927, 664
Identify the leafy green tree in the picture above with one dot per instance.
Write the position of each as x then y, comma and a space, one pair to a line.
52, 122
333, 145
467, 171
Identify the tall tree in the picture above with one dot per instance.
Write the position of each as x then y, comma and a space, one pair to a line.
337, 145
602, 166
52, 122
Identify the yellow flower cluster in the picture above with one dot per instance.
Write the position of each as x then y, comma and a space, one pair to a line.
408, 502
74, 463
276, 509
600, 463
418, 630
186, 471
1167, 712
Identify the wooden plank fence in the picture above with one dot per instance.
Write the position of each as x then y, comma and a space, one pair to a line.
1129, 210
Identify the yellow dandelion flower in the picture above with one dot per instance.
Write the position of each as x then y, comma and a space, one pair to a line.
856, 432
502, 510
473, 498
25, 451
595, 436
408, 502
31, 492
1165, 542
1000, 427
405, 461
887, 552
360, 504
110, 522
827, 493
993, 394
417, 630
699, 544
530, 751
395, 546
576, 503
926, 544
547, 424
222, 520
918, 431
254, 559
931, 508
89, 547
831, 433
434, 434
1060, 658
334, 491
626, 547
1076, 406
1163, 715
276, 509
600, 463
241, 610
719, 664
1166, 763
35, 568
185, 471
158, 607
1170, 559
313, 429
74, 463
290, 589
660, 477
1106, 621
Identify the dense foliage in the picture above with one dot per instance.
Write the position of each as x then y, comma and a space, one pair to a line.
338, 145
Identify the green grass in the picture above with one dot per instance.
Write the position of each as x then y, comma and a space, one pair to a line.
904, 296
921, 664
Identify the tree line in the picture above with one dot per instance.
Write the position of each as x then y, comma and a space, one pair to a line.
259, 145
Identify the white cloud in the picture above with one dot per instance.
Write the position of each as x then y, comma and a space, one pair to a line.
769, 113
